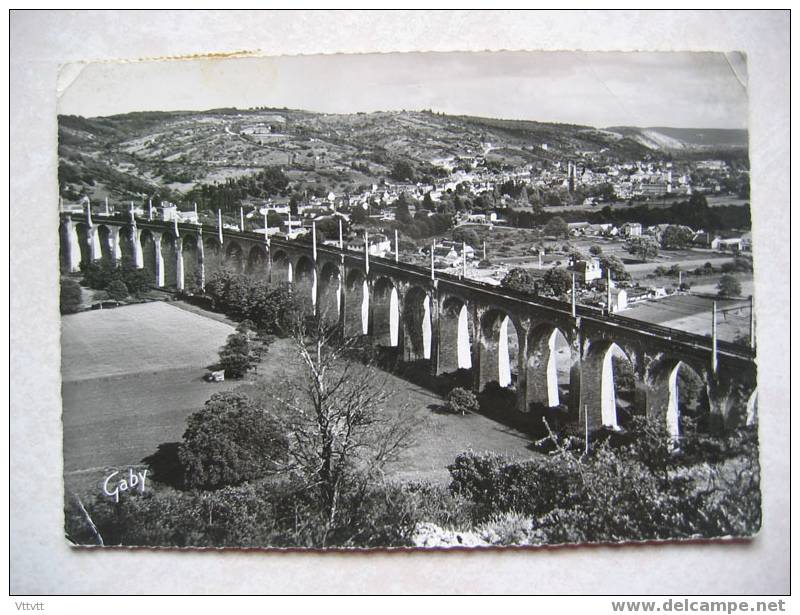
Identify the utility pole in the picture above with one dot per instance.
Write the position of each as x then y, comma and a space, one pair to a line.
150, 209
241, 219
714, 338
484, 249
314, 239
573, 295
396, 248
366, 251
219, 225
341, 239
608, 290
433, 250
464, 259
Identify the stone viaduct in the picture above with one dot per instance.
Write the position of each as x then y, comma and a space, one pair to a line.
523, 343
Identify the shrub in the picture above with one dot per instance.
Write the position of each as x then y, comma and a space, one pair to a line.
728, 286
70, 298
236, 357
272, 309
496, 484
117, 290
460, 401
101, 275
642, 490
556, 282
509, 528
230, 441
519, 279
739, 264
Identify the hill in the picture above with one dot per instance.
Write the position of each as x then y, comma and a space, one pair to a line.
672, 139
179, 155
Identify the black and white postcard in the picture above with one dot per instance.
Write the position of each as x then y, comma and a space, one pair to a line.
423, 300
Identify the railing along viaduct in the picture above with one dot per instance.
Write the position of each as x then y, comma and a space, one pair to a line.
518, 341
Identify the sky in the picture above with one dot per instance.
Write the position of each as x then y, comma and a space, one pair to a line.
676, 89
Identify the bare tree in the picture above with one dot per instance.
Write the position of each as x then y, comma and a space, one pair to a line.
342, 434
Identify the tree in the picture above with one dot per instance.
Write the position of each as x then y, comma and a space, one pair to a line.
468, 236
676, 237
644, 248
136, 280
556, 282
556, 227
341, 433
403, 214
236, 357
117, 290
358, 215
460, 401
427, 202
402, 171
729, 286
521, 280
70, 299
270, 307
230, 441
609, 262
329, 227
595, 250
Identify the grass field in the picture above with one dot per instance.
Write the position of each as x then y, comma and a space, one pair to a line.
692, 313
146, 337
130, 377
133, 374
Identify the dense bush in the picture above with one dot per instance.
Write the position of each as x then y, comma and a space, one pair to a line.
230, 441
728, 286
556, 282
468, 236
277, 511
521, 280
643, 490
496, 484
460, 401
101, 275
739, 264
236, 357
117, 290
272, 309
70, 298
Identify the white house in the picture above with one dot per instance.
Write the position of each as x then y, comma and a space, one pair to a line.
587, 270
631, 229
734, 244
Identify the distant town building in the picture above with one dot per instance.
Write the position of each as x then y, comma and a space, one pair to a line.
734, 244
619, 300
631, 229
588, 270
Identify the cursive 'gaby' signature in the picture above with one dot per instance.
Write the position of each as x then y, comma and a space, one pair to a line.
112, 487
